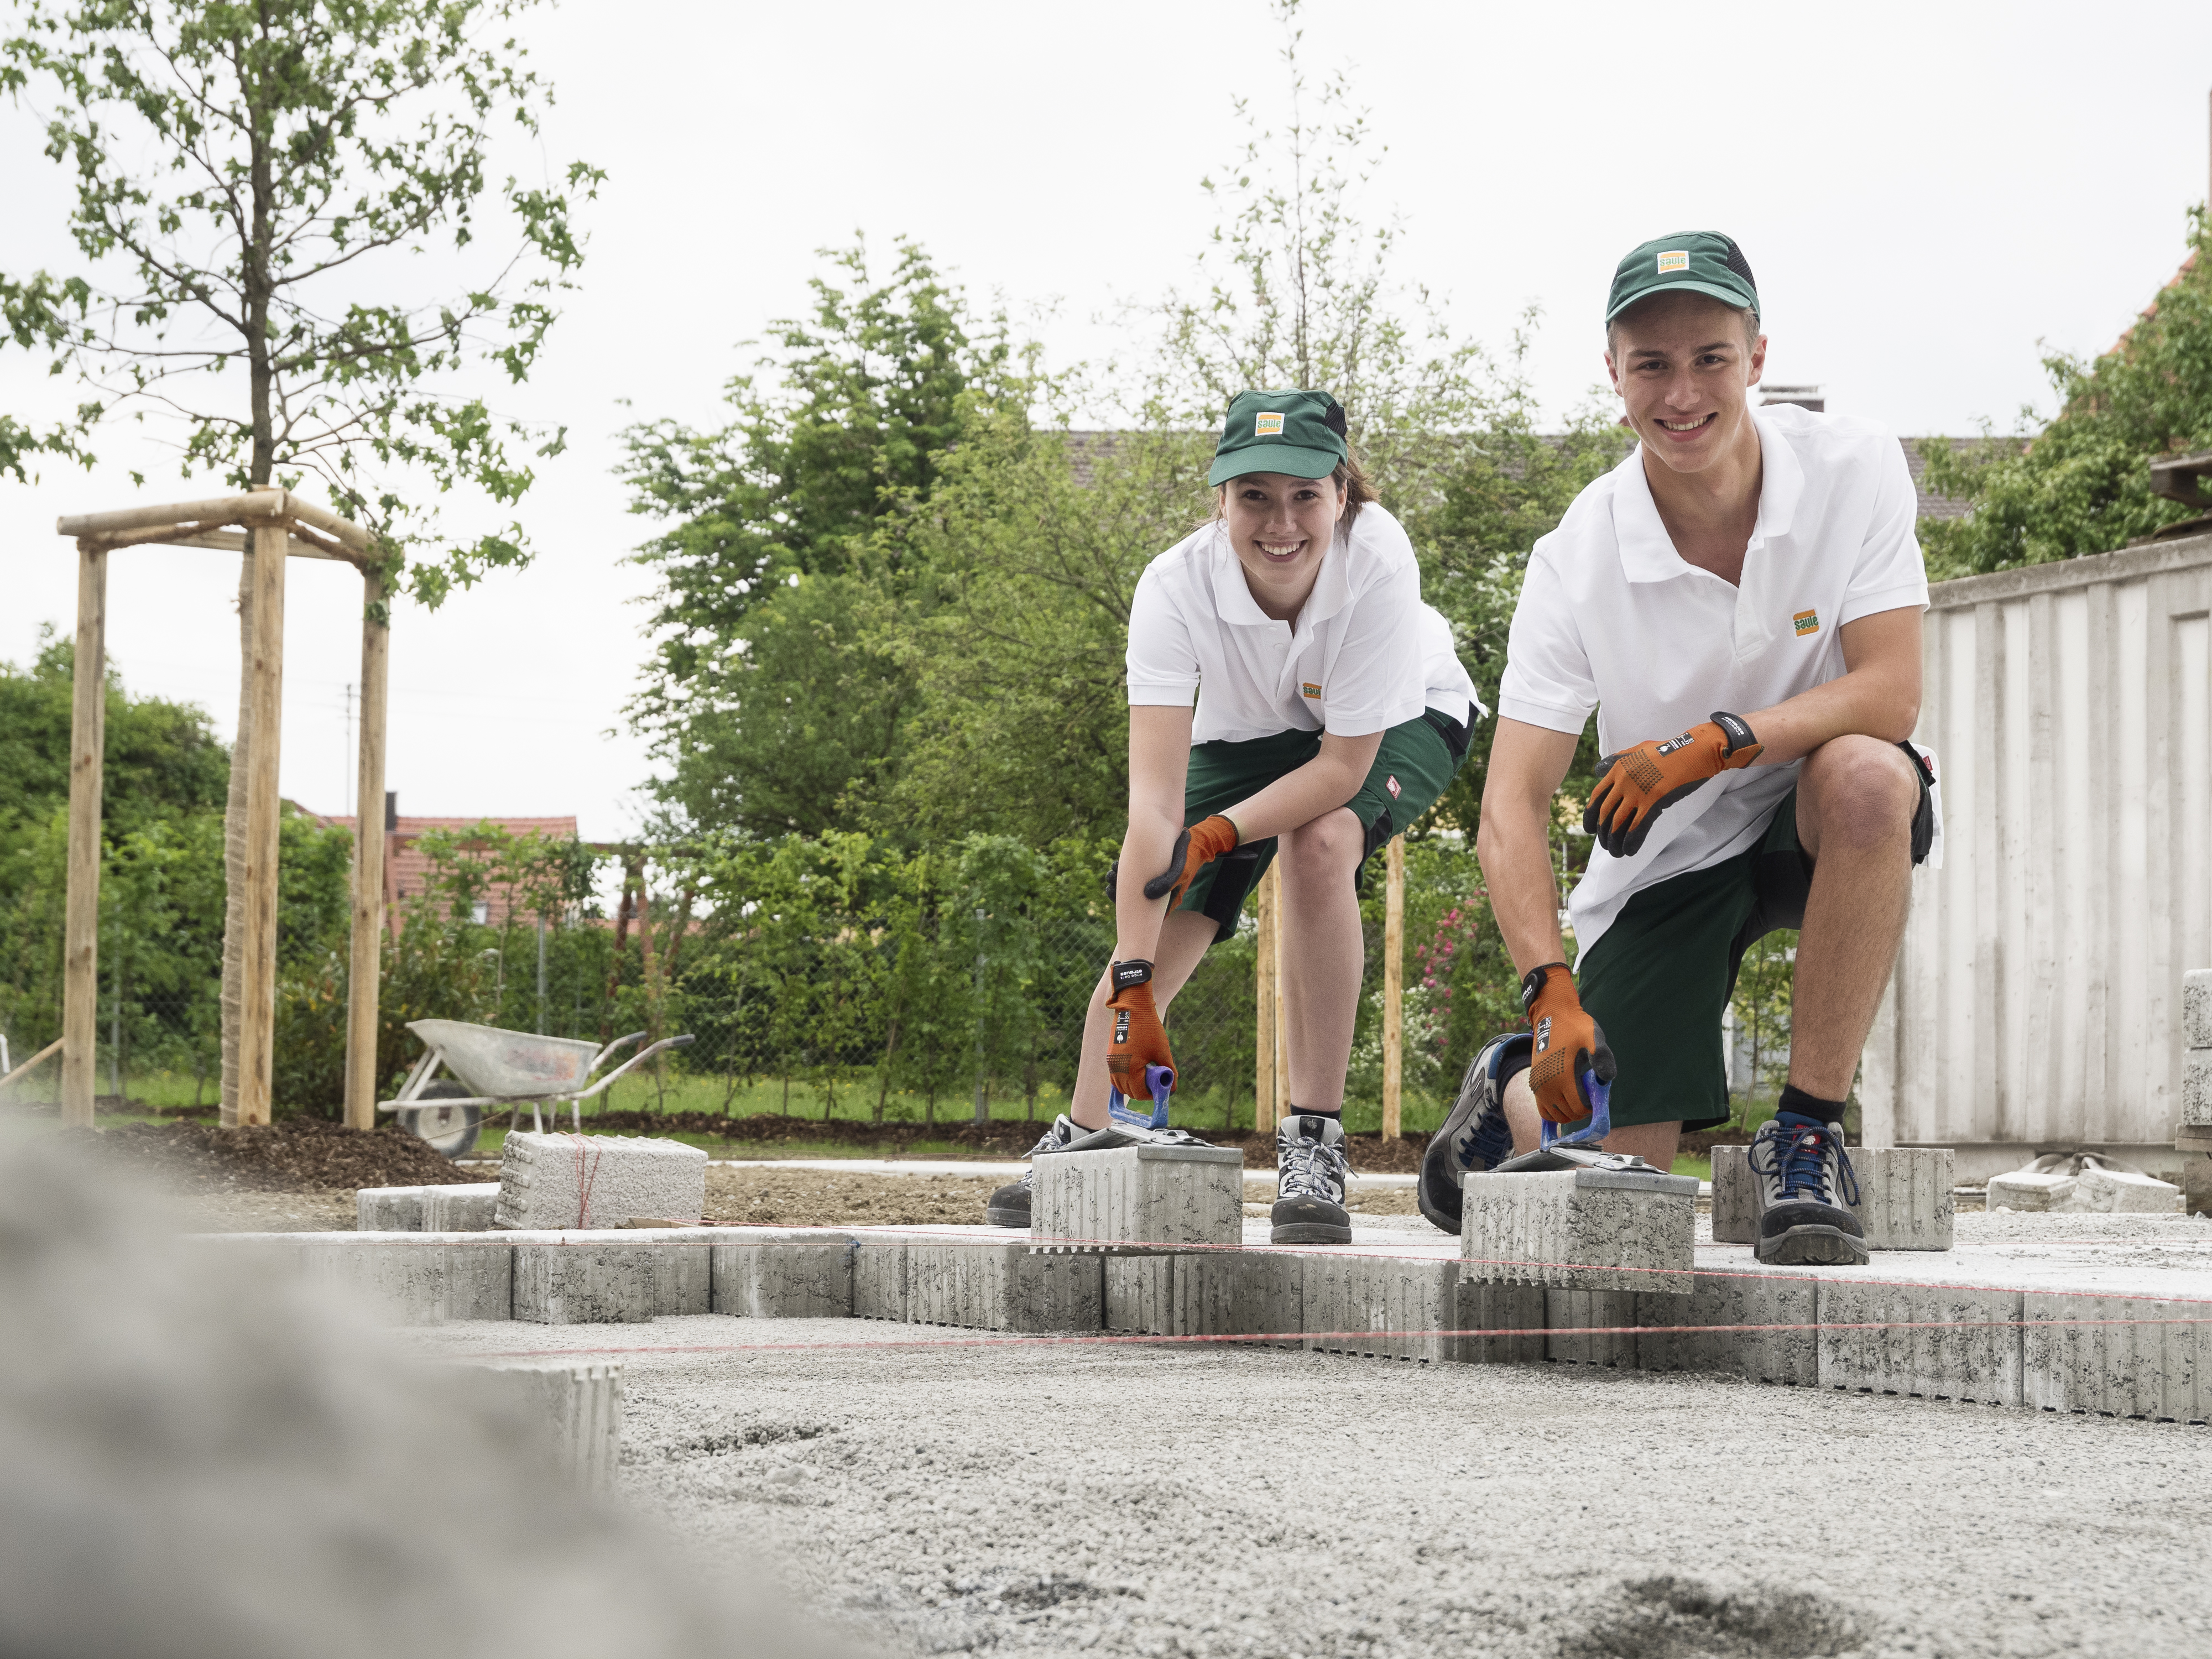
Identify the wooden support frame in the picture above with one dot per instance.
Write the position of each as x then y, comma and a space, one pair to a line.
272, 525
1394, 985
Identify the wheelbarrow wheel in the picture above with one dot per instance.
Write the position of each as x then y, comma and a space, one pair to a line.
449, 1129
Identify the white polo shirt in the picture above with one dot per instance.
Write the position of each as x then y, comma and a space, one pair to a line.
1365, 653
1611, 618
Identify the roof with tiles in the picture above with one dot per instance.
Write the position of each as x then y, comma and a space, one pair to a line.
407, 869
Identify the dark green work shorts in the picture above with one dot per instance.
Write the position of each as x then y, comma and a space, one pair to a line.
1415, 764
1657, 980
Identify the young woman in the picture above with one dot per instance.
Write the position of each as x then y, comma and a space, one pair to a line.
1330, 711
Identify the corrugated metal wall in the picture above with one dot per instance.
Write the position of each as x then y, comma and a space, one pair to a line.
2038, 994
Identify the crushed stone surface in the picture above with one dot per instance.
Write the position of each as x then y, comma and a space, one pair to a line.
1024, 1497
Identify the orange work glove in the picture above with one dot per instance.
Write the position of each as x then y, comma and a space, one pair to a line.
1194, 848
1570, 1047
1134, 1036
1635, 786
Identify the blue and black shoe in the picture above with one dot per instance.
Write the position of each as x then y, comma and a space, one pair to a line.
1475, 1136
1806, 1191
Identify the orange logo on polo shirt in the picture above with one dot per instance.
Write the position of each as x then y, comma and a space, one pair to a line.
1805, 621
1309, 688
1674, 260
1267, 425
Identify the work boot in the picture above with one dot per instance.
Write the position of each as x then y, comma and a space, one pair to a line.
1475, 1136
1310, 1177
1010, 1205
1805, 1179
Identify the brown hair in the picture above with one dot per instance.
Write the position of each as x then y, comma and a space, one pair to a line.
1350, 477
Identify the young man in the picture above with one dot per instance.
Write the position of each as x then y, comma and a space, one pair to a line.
1740, 601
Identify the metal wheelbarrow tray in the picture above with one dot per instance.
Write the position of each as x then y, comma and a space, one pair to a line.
495, 1067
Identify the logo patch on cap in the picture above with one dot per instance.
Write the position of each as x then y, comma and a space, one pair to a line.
1805, 621
1267, 425
1310, 688
1674, 260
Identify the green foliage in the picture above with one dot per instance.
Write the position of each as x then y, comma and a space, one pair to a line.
243, 165
2081, 483
1761, 1004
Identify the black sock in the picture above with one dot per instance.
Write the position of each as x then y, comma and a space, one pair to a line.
1822, 1112
1314, 1111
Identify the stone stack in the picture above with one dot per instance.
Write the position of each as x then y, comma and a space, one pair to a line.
573, 1180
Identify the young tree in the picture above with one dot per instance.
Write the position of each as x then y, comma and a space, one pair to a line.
238, 170
2081, 482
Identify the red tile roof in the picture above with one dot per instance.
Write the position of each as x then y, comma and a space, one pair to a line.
406, 870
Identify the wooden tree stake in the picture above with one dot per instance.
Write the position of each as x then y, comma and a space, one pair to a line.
367, 964
81, 926
257, 1024
1394, 985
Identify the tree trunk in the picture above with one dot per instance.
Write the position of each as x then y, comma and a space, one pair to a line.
233, 852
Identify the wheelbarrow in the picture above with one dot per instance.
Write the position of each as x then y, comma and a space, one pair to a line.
495, 1068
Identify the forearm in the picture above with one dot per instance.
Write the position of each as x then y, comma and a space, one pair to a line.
1322, 784
1515, 849
1148, 845
1878, 695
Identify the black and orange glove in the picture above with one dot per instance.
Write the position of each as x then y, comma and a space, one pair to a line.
1637, 785
1134, 1036
1570, 1048
1194, 848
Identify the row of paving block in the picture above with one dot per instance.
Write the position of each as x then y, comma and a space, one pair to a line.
2119, 1355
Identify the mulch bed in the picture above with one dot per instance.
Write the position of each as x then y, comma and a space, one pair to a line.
297, 1155
1000, 1137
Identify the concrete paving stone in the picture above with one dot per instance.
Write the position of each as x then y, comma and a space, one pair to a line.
1487, 1307
2197, 1089
1208, 1293
1738, 1301
2197, 1008
1003, 1287
2123, 1192
589, 1283
2197, 1183
1140, 1294
1905, 1196
466, 1208
1158, 1196
569, 1411
1393, 1308
2135, 1366
783, 1275
1568, 1311
2030, 1192
1583, 1229
879, 1278
412, 1279
1941, 1341
598, 1181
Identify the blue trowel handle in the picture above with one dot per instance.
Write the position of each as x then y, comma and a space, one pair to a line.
1593, 1132
1160, 1080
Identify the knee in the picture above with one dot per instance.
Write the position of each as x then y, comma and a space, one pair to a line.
1863, 792
1328, 846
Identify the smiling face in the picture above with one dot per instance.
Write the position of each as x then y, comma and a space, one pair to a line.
1280, 528
1682, 365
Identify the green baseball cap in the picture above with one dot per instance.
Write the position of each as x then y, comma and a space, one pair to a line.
1700, 261
1298, 433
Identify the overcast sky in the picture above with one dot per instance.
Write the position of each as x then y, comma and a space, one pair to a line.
1926, 191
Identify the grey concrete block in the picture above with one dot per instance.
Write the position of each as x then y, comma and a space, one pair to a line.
2120, 1356
2195, 1183
1381, 1307
1739, 1303
1905, 1196
1208, 1293
1156, 1196
2197, 1008
466, 1208
1499, 1307
414, 1278
596, 1284
2197, 1089
598, 1181
569, 1413
879, 1278
803, 1275
1584, 1229
1604, 1313
1941, 1341
1003, 1287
